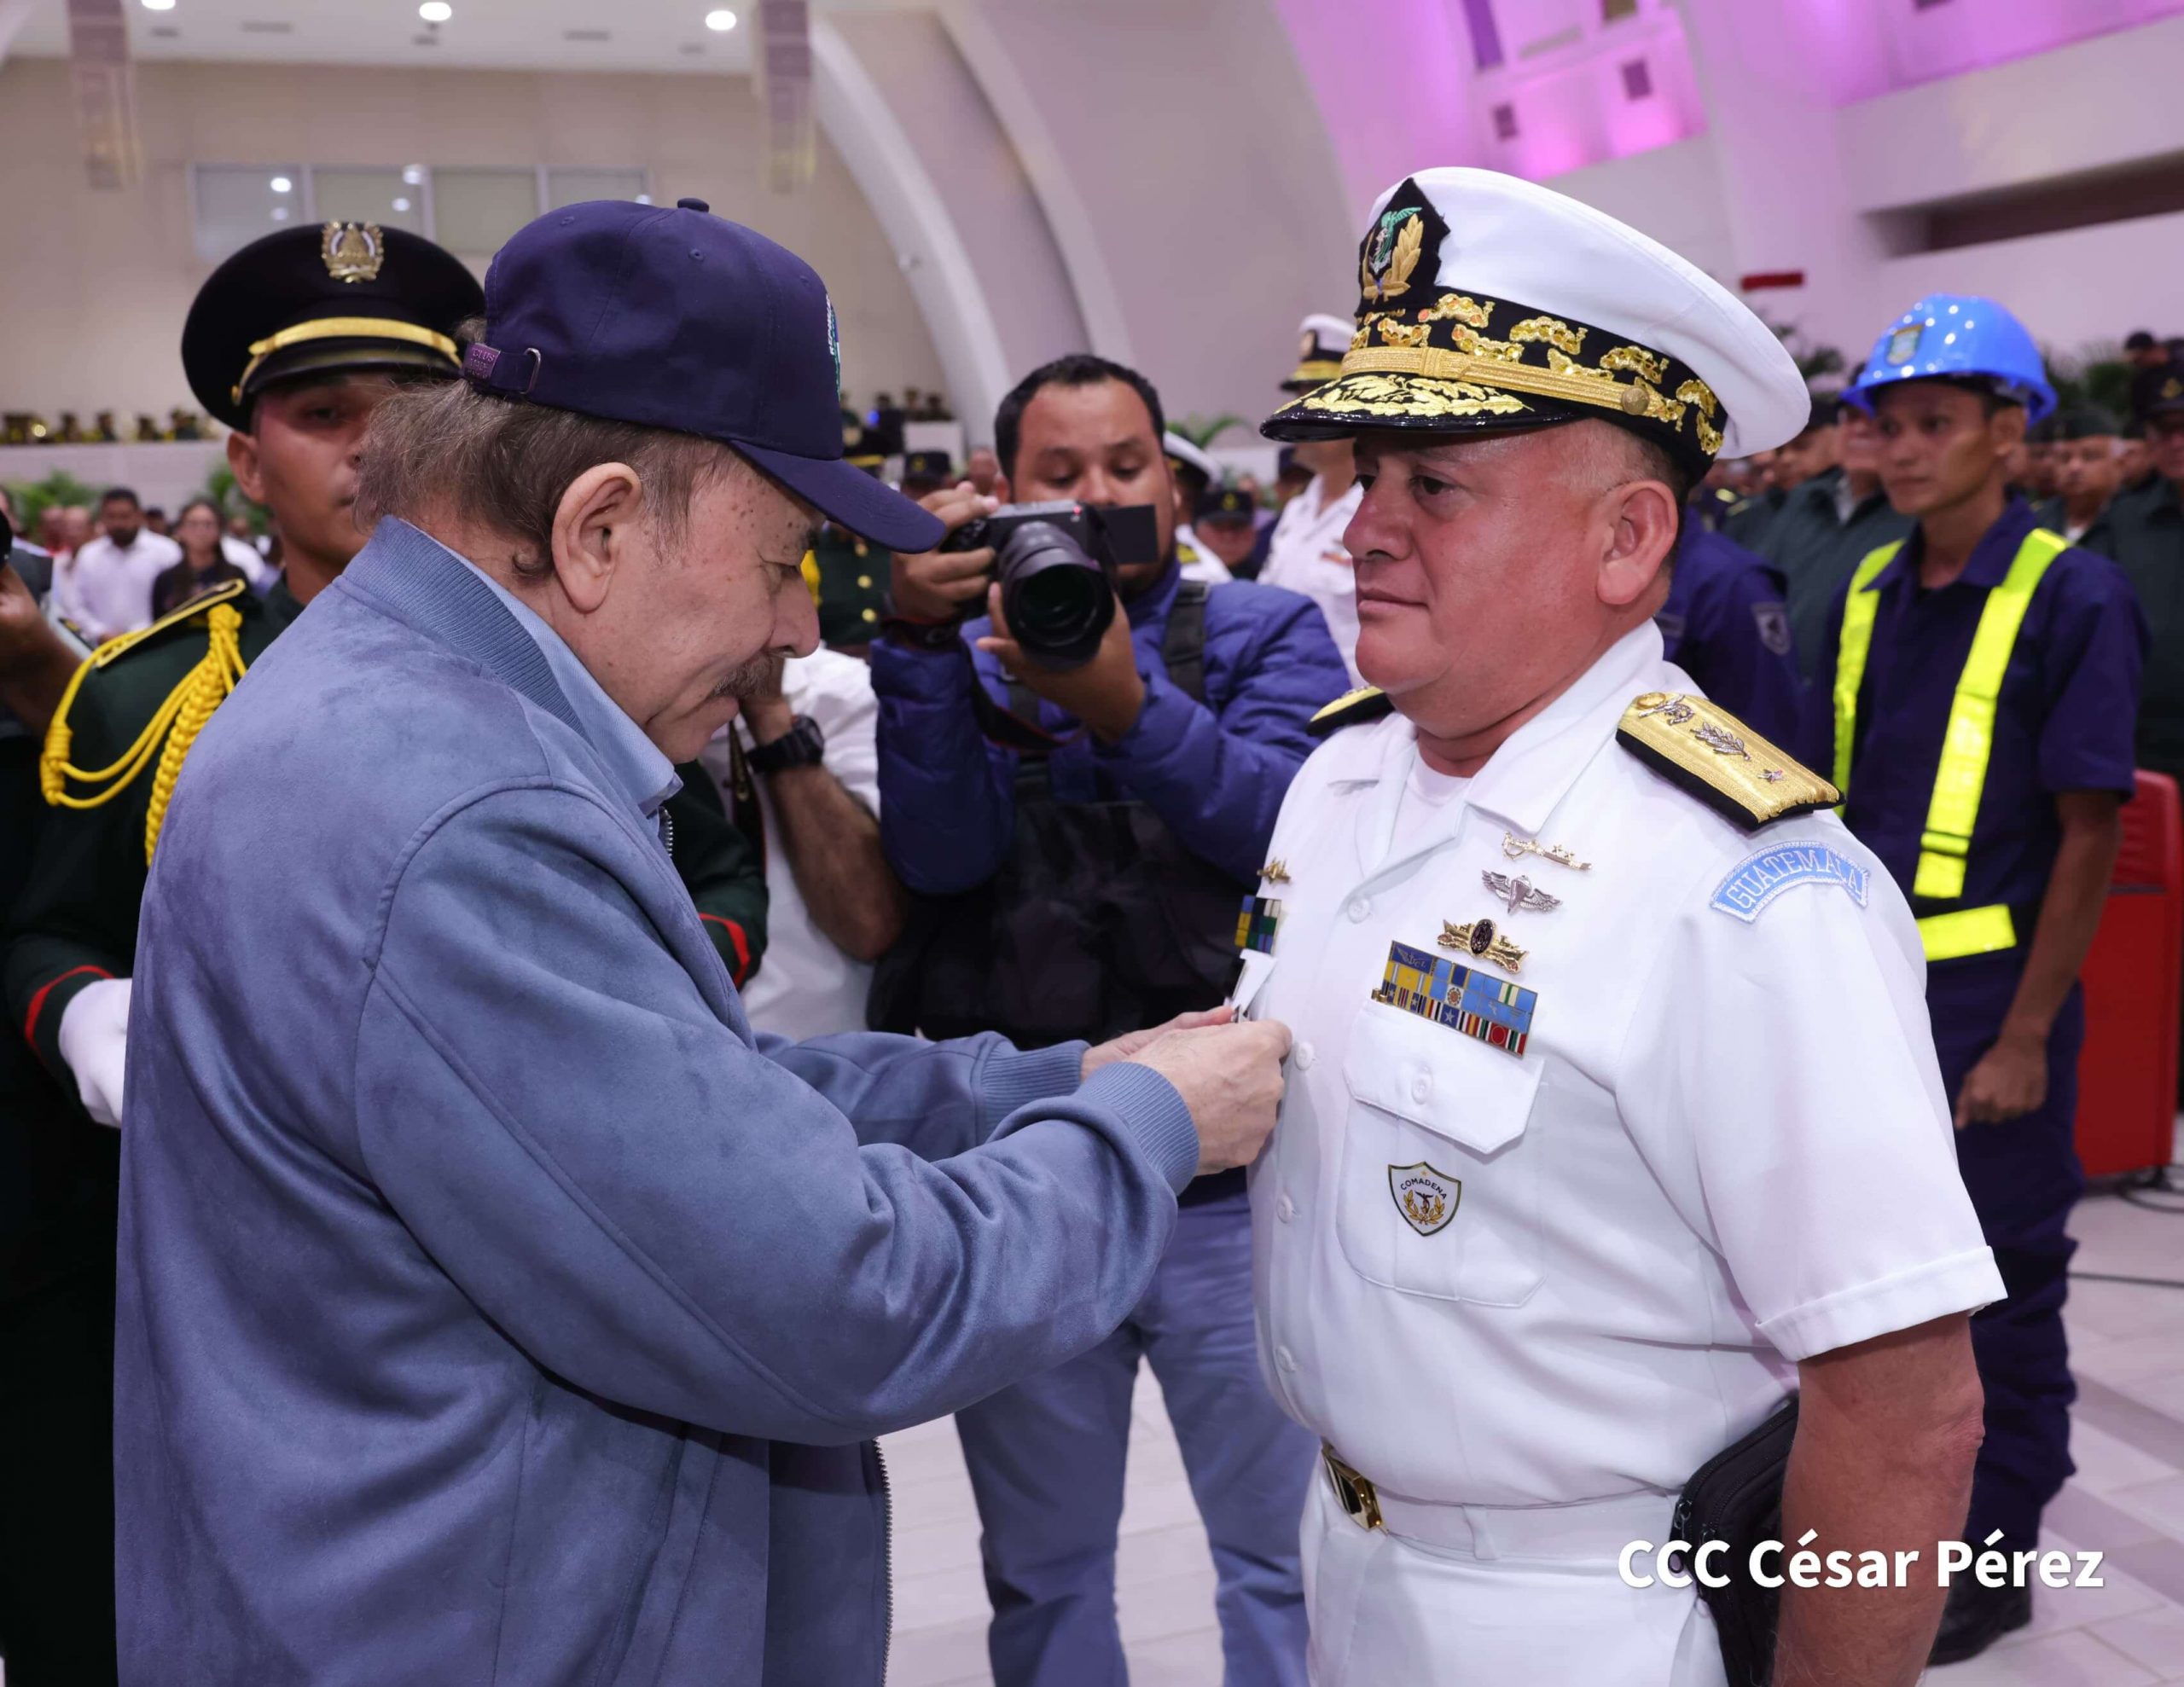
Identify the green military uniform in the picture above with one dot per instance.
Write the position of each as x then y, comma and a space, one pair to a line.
849, 587
2143, 530
77, 919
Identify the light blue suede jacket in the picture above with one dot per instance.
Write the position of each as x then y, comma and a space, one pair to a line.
494, 1306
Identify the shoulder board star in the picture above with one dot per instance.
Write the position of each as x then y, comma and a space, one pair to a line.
1714, 756
193, 609
1366, 703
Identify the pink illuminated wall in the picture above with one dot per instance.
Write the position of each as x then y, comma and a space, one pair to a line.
1924, 43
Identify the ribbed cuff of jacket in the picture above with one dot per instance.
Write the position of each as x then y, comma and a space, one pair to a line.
1010, 1077
1155, 1114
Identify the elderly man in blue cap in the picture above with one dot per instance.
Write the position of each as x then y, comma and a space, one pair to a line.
494, 1305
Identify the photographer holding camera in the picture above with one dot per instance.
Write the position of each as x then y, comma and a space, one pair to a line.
1078, 787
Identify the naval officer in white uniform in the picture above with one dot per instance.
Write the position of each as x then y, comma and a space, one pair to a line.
1612, 1117
1305, 552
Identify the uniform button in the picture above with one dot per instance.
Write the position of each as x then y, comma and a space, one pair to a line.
1285, 1209
864, 581
1304, 1055
1420, 1088
1359, 907
1285, 1358
872, 615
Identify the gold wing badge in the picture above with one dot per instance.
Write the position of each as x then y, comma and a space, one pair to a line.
1718, 759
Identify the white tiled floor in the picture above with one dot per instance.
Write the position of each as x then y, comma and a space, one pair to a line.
2127, 1500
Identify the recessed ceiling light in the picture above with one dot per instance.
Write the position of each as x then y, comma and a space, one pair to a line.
280, 213
159, 5
723, 19
413, 175
644, 199
402, 205
281, 184
435, 11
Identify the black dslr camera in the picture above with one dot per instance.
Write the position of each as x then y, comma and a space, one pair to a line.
1056, 564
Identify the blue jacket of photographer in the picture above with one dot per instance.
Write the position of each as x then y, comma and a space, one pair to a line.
1216, 772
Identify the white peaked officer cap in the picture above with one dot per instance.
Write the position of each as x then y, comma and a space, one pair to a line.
1179, 449
1322, 340
1490, 303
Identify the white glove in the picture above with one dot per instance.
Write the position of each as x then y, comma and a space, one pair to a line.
94, 1039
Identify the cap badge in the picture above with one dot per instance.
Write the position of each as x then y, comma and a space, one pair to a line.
1391, 254
834, 346
1903, 344
353, 251
1311, 344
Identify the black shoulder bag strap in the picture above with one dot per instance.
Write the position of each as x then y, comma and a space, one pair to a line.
1182, 650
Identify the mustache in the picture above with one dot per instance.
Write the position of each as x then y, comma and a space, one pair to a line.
759, 675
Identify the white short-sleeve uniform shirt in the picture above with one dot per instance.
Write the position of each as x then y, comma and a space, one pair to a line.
1724, 1147
1306, 555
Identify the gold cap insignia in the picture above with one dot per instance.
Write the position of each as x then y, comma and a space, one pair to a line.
353, 251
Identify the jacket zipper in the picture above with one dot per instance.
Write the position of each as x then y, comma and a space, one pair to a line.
887, 1559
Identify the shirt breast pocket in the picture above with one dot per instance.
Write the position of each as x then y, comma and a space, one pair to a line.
1440, 1184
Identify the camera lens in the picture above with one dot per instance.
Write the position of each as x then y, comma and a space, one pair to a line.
1057, 599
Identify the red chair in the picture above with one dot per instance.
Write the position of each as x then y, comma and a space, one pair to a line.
2127, 1074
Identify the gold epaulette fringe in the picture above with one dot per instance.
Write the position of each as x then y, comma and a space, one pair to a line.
168, 734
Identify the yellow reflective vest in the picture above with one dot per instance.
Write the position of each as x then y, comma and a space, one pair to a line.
1966, 744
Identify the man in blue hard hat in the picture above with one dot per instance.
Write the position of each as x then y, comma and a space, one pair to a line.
1974, 702
493, 1304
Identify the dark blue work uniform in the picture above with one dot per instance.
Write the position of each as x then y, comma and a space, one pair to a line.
1724, 624
2063, 722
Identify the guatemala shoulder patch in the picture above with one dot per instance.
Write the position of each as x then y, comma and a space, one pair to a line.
1757, 879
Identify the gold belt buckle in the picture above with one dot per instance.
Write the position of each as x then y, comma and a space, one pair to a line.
1359, 1502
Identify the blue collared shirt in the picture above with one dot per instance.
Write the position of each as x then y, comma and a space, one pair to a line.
640, 769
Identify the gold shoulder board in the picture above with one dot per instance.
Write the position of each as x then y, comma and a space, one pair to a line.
1366, 703
1714, 756
174, 618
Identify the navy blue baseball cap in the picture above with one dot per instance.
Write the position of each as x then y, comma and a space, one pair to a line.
676, 318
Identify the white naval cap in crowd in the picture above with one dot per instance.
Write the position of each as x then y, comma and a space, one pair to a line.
1322, 340
1180, 450
1489, 302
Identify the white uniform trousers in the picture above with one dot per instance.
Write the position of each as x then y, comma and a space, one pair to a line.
1535, 1598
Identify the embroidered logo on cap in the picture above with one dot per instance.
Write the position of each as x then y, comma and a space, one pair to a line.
1384, 269
834, 346
1903, 344
1757, 880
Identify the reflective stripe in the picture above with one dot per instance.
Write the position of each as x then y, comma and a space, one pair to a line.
1946, 936
1968, 742
1859, 609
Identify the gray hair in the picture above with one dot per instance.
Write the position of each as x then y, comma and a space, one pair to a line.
506, 462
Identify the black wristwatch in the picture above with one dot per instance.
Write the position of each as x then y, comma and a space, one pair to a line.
801, 746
